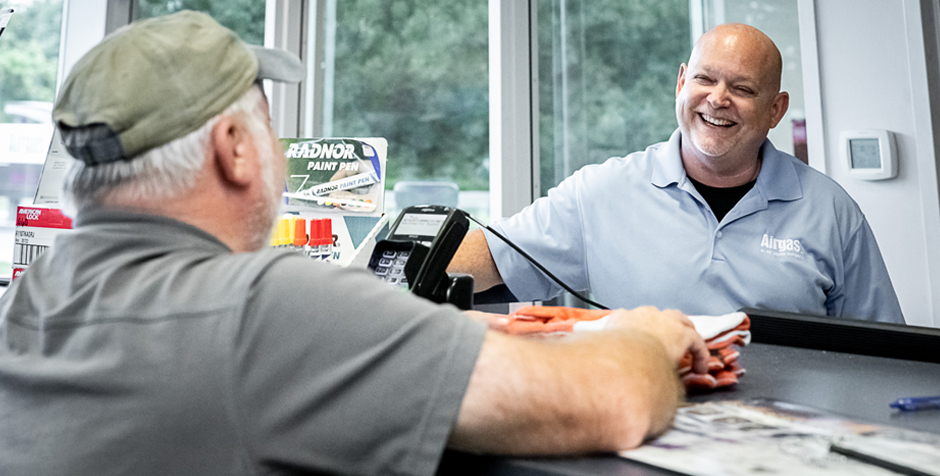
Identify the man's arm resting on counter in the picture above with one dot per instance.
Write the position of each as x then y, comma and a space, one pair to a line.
599, 391
474, 258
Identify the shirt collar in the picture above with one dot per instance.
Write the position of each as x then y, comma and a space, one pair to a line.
777, 179
667, 167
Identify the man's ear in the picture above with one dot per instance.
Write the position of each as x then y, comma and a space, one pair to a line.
681, 80
233, 146
779, 108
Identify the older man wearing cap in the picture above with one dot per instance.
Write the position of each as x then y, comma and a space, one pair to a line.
160, 338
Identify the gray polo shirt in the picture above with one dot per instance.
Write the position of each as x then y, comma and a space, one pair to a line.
142, 345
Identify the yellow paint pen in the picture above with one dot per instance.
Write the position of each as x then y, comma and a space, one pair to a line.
274, 237
283, 232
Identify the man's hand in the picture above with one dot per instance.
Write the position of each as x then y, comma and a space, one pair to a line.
593, 391
671, 328
496, 322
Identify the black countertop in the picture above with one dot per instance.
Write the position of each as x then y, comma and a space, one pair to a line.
858, 387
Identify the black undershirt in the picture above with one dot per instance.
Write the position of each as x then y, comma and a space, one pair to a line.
722, 200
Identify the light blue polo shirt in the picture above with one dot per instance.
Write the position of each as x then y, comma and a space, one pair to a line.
634, 231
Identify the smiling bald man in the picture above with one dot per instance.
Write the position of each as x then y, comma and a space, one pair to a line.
713, 220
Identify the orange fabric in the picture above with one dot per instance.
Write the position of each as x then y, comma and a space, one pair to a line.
560, 313
724, 369
723, 366
699, 382
549, 319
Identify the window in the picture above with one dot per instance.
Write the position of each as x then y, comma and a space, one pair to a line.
415, 73
607, 77
608, 68
245, 17
411, 71
28, 67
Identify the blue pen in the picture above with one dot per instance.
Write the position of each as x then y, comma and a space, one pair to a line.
913, 404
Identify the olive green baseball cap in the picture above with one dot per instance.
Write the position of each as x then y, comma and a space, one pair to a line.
157, 80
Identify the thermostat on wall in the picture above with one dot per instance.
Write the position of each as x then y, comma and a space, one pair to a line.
869, 154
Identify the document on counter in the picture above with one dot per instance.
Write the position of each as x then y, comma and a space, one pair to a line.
764, 436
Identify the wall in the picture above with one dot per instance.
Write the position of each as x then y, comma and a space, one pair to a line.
873, 75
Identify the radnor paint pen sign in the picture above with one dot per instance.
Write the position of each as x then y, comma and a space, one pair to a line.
336, 174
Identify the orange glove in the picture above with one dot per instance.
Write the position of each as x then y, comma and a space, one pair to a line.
549, 319
723, 366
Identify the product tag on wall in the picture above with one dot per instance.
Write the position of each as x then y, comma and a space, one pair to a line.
36, 229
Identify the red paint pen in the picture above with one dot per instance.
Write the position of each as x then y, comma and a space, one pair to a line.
326, 241
313, 246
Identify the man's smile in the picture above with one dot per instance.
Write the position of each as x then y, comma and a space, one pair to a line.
717, 122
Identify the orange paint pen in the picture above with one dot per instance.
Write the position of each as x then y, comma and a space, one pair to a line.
300, 235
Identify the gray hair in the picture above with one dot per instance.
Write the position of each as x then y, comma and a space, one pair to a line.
162, 173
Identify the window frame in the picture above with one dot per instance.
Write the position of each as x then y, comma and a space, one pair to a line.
513, 90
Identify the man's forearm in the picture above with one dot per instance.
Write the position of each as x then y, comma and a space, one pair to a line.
474, 258
600, 392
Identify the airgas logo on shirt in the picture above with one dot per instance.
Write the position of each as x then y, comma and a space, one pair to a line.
780, 246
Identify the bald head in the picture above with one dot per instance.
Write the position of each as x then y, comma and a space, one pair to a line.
752, 46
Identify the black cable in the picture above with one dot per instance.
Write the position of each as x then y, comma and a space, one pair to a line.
537, 265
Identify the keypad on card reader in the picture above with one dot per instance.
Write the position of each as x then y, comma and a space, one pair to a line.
391, 267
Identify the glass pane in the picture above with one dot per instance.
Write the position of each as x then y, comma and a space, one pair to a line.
607, 79
779, 20
245, 17
28, 67
415, 73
